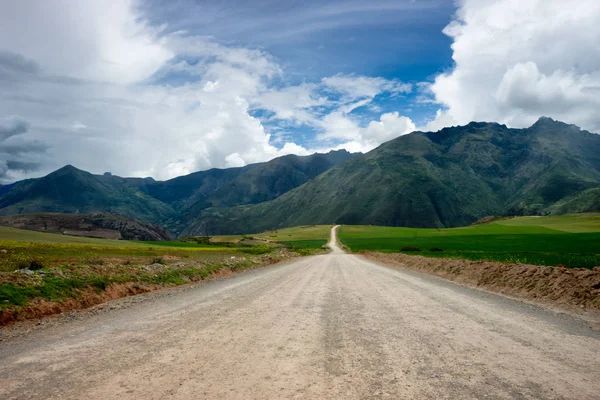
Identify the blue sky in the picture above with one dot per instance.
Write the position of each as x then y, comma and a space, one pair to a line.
167, 87
311, 40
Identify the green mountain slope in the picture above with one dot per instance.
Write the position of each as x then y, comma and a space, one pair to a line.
438, 179
73, 191
168, 203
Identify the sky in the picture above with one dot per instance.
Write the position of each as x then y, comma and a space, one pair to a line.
164, 88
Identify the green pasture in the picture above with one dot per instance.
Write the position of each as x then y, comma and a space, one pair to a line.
570, 240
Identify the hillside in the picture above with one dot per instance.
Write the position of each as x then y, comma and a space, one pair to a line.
98, 225
73, 191
170, 203
439, 179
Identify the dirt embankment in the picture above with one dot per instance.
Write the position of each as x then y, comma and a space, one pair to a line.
562, 286
123, 280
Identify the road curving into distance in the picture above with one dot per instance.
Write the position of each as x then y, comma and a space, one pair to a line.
333, 326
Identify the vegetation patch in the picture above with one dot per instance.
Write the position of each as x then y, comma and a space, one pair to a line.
39, 276
27, 293
570, 241
410, 249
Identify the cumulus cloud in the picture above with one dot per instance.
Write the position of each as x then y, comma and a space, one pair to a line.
113, 93
362, 139
518, 60
389, 126
97, 40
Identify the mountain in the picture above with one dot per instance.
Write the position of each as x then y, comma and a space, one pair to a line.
172, 203
73, 191
447, 178
254, 183
99, 225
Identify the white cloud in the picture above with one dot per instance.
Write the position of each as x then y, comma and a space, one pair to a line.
389, 126
112, 93
358, 87
295, 103
357, 139
97, 40
234, 160
518, 60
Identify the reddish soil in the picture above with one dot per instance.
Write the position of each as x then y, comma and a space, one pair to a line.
86, 298
561, 286
89, 296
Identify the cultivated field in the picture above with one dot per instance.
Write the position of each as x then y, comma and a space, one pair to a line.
569, 240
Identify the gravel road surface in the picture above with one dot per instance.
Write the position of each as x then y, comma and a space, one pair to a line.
333, 326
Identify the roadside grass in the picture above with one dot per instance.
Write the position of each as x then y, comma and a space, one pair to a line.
67, 281
17, 255
57, 268
572, 240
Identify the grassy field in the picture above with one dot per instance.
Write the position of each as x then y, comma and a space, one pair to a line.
570, 240
22, 235
299, 237
303, 237
53, 267
20, 249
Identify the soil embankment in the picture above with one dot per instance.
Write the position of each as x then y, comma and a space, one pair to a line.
79, 288
562, 286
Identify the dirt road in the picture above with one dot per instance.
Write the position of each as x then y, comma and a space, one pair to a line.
326, 327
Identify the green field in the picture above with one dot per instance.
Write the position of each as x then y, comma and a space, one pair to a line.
569, 240
299, 237
57, 267
20, 248
302, 237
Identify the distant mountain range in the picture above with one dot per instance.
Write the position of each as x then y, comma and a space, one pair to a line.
172, 203
448, 178
438, 179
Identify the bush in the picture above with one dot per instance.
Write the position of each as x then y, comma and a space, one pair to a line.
196, 239
157, 260
32, 264
435, 249
409, 248
35, 265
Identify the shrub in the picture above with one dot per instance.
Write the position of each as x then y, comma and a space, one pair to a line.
409, 248
196, 239
157, 260
32, 264
35, 265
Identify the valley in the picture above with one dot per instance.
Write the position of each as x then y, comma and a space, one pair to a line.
444, 179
